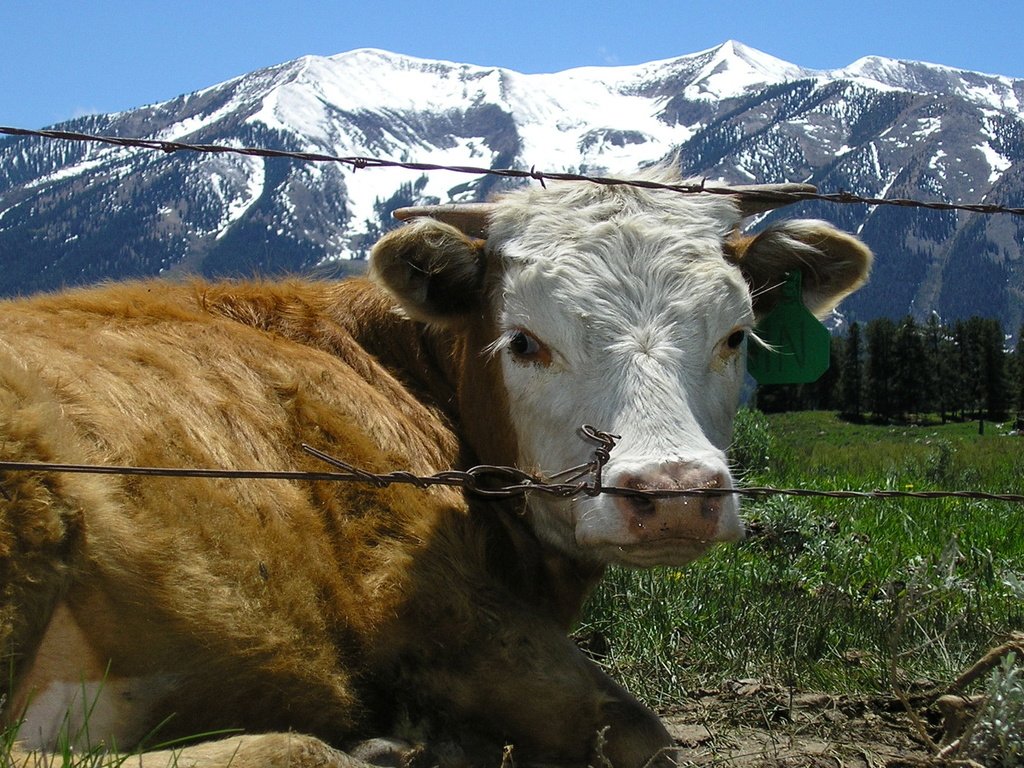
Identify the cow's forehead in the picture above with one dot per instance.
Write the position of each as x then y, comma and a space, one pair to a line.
537, 219
628, 256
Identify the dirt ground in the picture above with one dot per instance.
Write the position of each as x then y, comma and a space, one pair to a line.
749, 725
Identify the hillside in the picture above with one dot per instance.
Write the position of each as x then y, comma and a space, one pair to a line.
73, 213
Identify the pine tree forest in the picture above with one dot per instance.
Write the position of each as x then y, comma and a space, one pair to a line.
908, 371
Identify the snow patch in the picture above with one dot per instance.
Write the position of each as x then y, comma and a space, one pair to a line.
380, 184
190, 125
997, 162
67, 172
238, 185
592, 115
929, 125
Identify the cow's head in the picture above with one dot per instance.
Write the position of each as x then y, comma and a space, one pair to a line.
623, 308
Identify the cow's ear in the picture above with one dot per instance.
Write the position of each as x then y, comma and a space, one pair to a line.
833, 263
434, 270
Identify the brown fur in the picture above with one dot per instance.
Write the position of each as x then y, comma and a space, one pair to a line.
330, 609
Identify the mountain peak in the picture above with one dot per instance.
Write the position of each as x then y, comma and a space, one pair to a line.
990, 91
733, 68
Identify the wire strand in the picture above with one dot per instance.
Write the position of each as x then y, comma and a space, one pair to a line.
469, 481
360, 163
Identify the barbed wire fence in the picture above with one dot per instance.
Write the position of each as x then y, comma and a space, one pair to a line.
582, 480
361, 163
492, 481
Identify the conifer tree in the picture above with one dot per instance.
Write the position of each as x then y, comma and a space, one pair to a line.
939, 349
823, 394
878, 372
911, 379
983, 384
996, 382
1019, 372
965, 364
851, 378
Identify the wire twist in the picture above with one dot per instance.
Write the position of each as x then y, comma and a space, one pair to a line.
476, 480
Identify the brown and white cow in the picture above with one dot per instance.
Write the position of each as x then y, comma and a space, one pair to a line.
317, 615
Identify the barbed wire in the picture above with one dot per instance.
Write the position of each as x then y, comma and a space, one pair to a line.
479, 480
518, 482
360, 163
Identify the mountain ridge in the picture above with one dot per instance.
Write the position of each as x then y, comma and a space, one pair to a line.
878, 127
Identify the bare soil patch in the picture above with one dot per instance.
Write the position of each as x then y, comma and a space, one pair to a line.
750, 725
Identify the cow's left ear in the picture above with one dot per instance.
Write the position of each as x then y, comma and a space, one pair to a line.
434, 270
833, 263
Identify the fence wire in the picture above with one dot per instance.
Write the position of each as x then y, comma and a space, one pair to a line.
492, 481
482, 480
359, 163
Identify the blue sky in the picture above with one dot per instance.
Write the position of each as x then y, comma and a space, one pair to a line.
63, 58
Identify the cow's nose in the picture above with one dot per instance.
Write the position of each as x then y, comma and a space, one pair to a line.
676, 516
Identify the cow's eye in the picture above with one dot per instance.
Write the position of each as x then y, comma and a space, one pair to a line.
527, 348
729, 347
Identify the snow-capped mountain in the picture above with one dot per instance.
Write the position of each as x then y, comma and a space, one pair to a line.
72, 212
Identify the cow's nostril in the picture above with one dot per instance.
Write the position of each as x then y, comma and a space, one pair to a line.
634, 504
641, 506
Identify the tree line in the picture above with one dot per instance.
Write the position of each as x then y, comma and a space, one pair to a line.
901, 371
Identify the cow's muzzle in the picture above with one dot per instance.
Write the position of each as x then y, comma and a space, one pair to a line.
703, 516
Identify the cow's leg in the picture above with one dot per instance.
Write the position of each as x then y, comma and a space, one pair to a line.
522, 682
38, 535
268, 750
41, 519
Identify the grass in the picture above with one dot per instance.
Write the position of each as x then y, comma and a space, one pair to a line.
833, 594
997, 739
75, 747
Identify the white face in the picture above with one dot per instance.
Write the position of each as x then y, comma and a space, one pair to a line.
634, 323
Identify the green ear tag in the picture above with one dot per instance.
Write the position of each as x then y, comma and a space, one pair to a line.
799, 343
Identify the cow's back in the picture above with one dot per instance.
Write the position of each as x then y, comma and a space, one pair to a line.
216, 580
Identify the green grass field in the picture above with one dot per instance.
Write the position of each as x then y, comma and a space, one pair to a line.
833, 594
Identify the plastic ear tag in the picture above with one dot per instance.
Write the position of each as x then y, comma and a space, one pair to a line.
798, 344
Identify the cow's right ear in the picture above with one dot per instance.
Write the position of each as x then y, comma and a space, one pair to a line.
833, 264
435, 271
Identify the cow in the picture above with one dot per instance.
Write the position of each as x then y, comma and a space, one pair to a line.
338, 623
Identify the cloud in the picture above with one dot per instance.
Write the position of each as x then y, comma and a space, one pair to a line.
608, 57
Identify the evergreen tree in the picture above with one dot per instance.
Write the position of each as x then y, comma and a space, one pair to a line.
905, 370
911, 378
983, 386
878, 378
778, 398
965, 365
1019, 372
851, 379
823, 394
938, 348
996, 382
